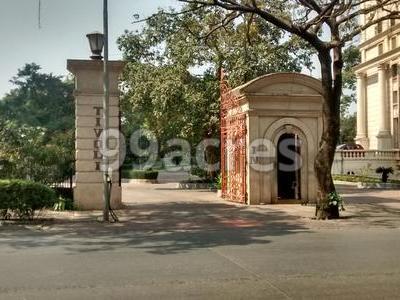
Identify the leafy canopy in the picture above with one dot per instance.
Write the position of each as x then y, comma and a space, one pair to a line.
172, 77
36, 127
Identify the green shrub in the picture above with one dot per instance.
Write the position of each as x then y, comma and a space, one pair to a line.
63, 204
199, 172
334, 199
140, 174
385, 173
358, 178
218, 182
20, 198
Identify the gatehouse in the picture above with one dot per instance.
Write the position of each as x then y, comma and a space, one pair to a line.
270, 131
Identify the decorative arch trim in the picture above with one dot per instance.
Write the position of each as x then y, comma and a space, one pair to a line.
293, 125
273, 129
279, 78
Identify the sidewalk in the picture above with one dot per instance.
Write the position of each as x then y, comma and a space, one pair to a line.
172, 207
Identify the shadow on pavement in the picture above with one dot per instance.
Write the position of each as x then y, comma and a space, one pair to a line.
166, 228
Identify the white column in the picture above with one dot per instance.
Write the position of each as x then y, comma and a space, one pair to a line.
384, 137
362, 137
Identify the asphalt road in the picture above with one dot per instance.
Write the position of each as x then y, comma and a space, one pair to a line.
199, 250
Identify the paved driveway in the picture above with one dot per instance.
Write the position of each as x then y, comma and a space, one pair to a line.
363, 208
173, 244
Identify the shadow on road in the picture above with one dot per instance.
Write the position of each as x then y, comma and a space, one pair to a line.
160, 228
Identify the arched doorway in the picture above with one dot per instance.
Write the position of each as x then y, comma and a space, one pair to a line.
289, 166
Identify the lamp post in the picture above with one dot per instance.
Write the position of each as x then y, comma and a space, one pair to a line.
97, 41
106, 125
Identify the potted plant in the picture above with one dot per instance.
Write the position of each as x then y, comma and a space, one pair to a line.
335, 203
385, 173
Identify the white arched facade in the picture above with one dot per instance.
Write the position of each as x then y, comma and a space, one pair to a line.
276, 104
307, 152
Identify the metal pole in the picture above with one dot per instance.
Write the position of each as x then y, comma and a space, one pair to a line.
106, 101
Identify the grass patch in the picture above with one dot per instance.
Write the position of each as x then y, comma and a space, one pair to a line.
358, 178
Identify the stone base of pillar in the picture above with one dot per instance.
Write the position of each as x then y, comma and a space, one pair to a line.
363, 141
384, 139
89, 196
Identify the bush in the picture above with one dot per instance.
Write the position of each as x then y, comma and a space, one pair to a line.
64, 192
218, 182
140, 174
385, 173
63, 204
357, 178
196, 171
20, 198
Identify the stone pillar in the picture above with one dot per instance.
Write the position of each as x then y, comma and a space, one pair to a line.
253, 176
88, 192
384, 137
362, 137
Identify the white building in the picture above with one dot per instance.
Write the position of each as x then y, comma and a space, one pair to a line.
378, 89
378, 86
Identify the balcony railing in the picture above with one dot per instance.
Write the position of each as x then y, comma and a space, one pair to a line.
368, 154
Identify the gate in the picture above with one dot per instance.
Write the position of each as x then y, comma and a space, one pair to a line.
233, 145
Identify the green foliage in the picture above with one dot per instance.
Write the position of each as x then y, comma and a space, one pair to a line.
199, 172
348, 129
27, 152
246, 46
170, 102
172, 78
351, 58
384, 170
218, 182
63, 204
334, 199
361, 178
140, 174
19, 198
39, 100
37, 128
385, 173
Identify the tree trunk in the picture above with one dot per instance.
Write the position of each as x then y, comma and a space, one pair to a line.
331, 84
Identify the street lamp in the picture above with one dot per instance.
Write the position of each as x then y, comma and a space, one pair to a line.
96, 42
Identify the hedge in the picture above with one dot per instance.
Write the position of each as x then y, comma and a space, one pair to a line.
140, 174
358, 178
21, 198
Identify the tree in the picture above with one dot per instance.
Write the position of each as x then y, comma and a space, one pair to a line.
348, 129
37, 127
163, 93
39, 100
351, 58
327, 26
170, 102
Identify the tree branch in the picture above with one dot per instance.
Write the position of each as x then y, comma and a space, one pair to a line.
364, 11
357, 31
281, 23
162, 12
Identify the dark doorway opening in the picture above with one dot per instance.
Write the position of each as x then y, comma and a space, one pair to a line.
289, 165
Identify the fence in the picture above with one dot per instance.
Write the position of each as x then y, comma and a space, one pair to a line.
365, 162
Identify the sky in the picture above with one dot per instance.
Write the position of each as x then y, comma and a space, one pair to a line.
62, 36
62, 32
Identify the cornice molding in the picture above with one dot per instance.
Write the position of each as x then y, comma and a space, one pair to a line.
379, 36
